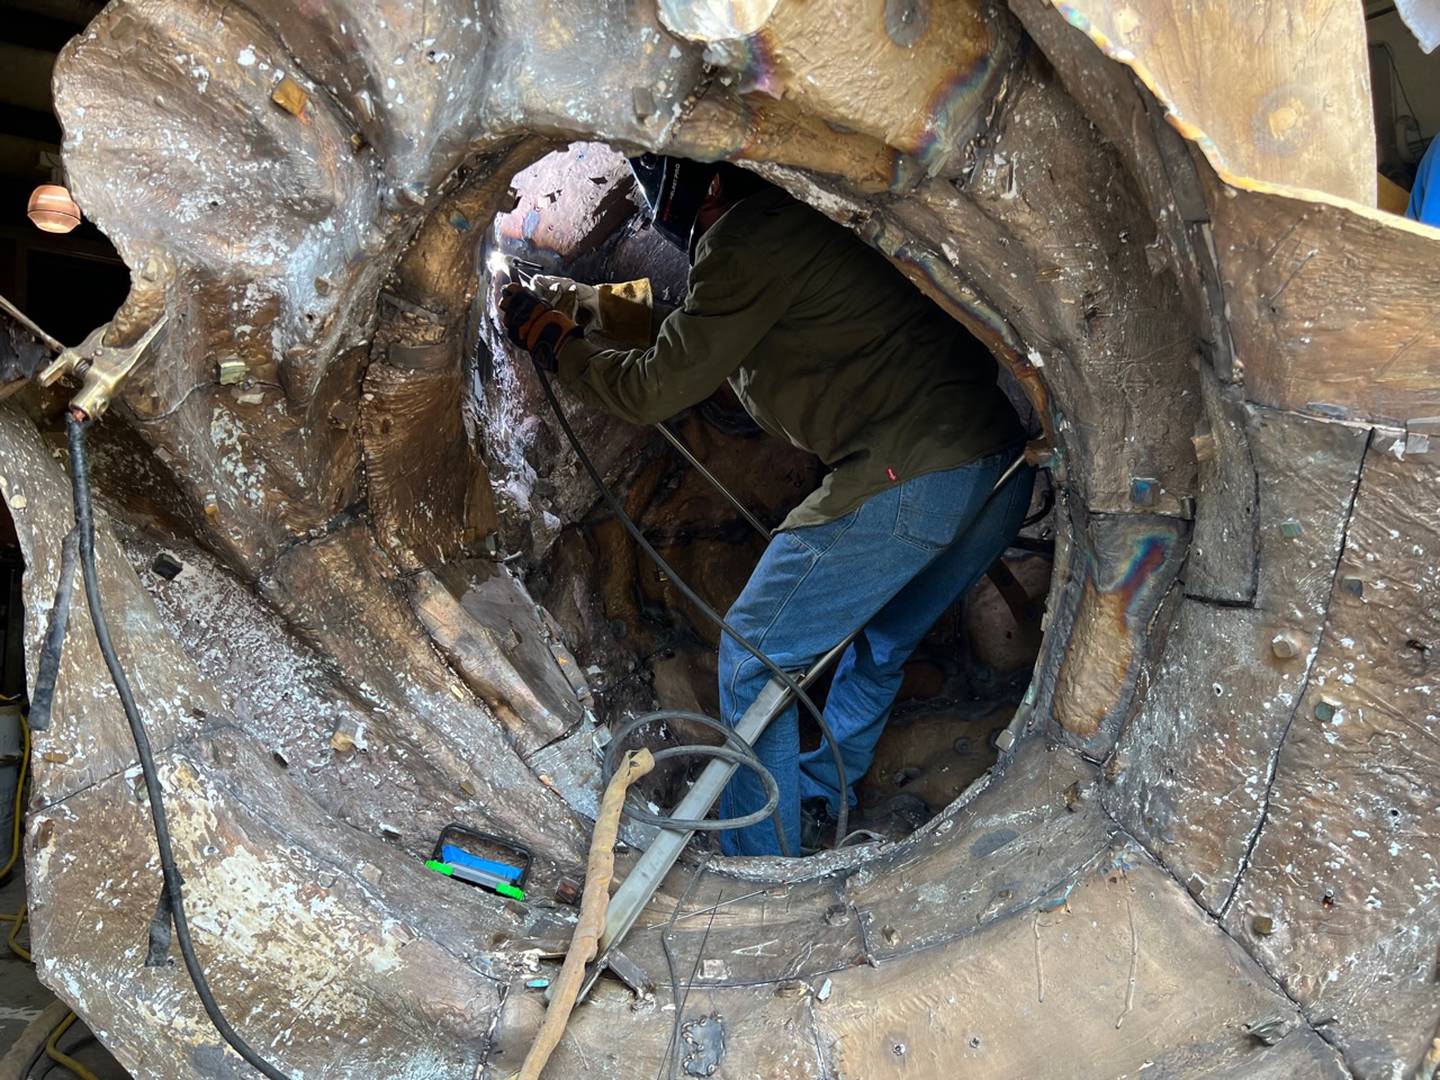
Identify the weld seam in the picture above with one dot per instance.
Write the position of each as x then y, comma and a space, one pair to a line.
1301, 691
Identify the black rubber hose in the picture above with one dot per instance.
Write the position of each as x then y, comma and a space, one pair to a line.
171, 897
738, 752
1046, 505
48, 673
785, 678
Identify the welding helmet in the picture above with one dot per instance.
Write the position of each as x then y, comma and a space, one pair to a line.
674, 189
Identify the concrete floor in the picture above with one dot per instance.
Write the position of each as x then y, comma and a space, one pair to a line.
23, 999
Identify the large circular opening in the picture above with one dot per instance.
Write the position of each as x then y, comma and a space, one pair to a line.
579, 216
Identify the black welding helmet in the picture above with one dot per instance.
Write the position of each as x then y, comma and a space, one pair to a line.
674, 189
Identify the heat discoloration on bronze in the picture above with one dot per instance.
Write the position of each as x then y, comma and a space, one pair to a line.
313, 739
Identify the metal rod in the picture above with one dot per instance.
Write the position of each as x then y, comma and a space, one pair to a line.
640, 886
25, 321
1009, 472
674, 441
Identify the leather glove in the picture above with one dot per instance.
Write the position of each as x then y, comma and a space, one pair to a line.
534, 325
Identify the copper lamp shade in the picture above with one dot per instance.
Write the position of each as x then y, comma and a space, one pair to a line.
52, 209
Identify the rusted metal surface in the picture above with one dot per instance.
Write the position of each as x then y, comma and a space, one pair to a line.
428, 492
308, 442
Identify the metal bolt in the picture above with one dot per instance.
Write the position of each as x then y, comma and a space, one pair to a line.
1284, 647
1195, 886
1004, 740
1290, 529
1325, 710
1353, 585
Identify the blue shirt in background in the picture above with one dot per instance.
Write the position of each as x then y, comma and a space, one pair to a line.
1425, 195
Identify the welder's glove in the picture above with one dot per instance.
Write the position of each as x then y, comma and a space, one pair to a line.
534, 325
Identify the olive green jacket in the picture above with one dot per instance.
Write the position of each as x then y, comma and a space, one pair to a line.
826, 345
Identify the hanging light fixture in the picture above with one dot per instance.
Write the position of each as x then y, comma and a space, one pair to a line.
52, 209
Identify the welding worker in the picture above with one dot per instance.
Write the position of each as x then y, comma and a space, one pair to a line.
829, 347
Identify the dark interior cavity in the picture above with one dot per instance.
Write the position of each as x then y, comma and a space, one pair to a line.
578, 214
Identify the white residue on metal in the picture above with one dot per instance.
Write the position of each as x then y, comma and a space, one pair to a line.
226, 436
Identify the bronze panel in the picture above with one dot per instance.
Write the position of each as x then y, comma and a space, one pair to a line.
1345, 861
1292, 106
1125, 976
1332, 310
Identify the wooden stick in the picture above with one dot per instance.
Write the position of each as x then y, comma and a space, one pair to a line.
599, 869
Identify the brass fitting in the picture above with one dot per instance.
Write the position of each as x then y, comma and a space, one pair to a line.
101, 368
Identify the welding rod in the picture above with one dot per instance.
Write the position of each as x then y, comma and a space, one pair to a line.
674, 441
25, 321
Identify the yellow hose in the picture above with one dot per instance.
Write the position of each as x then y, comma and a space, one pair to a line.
19, 797
18, 919
55, 1054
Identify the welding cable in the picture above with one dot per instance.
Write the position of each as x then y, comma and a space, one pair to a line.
171, 898
49, 670
783, 677
738, 752
1046, 505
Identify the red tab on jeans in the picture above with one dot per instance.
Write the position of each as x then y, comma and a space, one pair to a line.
891, 474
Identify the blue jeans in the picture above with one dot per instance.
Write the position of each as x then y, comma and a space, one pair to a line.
892, 566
